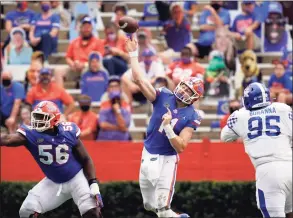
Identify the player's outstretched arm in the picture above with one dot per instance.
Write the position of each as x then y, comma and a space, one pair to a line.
12, 140
145, 86
86, 161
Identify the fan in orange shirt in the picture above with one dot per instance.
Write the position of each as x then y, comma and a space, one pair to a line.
46, 90
185, 67
85, 119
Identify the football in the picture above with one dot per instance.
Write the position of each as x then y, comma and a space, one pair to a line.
128, 24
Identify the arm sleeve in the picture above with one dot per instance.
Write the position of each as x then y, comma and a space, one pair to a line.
34, 19
195, 121
30, 96
83, 85
228, 135
270, 82
233, 27
288, 84
66, 98
203, 18
9, 16
226, 18
19, 92
103, 116
69, 53
56, 21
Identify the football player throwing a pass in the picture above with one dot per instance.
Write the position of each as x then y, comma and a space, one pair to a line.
171, 126
69, 170
266, 130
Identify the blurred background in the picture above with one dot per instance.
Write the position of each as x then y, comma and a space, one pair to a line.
73, 53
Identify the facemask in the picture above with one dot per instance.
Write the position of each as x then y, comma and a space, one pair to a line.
44, 80
112, 36
87, 37
85, 108
21, 6
6, 82
147, 62
45, 7
216, 6
186, 60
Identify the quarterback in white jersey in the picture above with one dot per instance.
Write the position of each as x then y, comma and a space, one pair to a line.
266, 130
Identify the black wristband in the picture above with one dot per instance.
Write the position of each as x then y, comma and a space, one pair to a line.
91, 181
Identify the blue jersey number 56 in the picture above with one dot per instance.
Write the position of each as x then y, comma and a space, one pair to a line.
257, 128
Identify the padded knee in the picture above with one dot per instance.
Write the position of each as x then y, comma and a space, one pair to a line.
29, 208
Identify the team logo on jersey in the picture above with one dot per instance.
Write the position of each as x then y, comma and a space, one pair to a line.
167, 105
40, 140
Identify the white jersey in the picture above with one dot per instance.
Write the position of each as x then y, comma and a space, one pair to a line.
266, 133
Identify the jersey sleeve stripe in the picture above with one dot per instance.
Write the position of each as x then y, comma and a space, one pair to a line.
78, 133
21, 131
233, 130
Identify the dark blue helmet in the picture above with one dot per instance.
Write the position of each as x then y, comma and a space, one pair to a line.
256, 95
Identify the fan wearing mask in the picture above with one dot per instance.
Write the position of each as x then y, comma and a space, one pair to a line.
115, 56
212, 17
44, 31
151, 68
85, 118
12, 94
185, 67
47, 90
246, 27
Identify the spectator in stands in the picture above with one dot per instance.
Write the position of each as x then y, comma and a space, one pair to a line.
12, 94
120, 9
32, 74
185, 67
114, 116
48, 90
233, 106
224, 43
144, 37
25, 116
79, 50
44, 31
18, 51
280, 84
212, 17
85, 119
190, 8
21, 17
161, 82
276, 36
177, 31
95, 81
115, 56
65, 18
246, 27
151, 69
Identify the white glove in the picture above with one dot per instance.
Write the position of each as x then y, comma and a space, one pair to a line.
95, 192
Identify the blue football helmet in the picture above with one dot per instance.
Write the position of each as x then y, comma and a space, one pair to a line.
256, 95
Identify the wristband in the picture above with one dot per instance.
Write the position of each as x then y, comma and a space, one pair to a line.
133, 54
91, 181
169, 131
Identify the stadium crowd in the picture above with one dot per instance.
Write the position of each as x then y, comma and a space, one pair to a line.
230, 35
